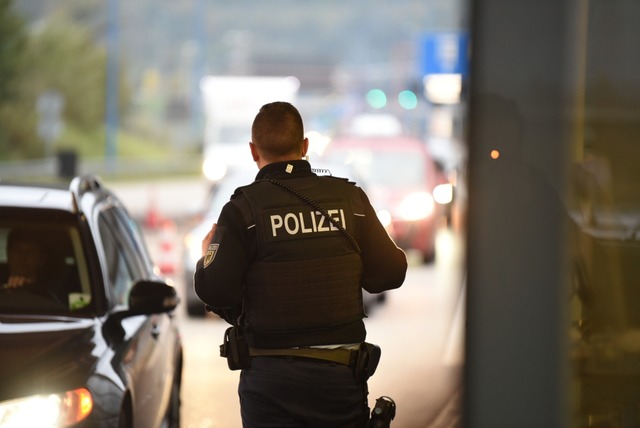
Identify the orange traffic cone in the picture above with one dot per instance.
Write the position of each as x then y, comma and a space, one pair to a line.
167, 255
153, 219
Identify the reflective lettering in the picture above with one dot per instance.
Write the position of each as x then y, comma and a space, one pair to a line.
332, 215
302, 228
321, 226
276, 223
305, 222
296, 226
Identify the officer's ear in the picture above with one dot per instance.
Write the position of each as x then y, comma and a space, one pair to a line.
305, 147
254, 152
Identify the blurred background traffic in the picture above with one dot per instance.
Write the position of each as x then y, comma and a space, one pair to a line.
147, 92
157, 98
129, 89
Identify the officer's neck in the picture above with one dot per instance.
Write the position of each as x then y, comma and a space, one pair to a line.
286, 166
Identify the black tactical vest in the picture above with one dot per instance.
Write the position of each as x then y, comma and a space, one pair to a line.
306, 276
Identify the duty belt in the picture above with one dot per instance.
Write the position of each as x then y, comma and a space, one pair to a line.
344, 356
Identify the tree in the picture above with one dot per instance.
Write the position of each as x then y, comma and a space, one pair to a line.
12, 44
62, 56
13, 41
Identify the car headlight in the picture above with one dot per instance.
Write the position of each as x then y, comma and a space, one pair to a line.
214, 169
443, 193
54, 410
416, 206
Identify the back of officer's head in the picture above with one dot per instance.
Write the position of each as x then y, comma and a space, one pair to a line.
277, 130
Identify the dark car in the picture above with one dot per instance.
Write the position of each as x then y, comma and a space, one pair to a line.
91, 339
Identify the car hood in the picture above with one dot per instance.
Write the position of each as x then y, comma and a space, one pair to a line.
41, 354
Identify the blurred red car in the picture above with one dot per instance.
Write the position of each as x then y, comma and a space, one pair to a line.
399, 176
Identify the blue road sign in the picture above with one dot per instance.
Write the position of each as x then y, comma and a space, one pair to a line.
445, 52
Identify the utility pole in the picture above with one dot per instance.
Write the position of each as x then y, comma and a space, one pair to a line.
197, 68
112, 84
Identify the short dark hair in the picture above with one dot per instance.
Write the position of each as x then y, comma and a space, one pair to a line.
20, 235
277, 129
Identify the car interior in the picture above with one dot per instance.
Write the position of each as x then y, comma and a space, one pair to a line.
59, 286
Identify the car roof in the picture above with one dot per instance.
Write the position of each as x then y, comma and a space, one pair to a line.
36, 196
53, 196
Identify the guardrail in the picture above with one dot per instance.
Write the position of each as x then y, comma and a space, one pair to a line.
63, 168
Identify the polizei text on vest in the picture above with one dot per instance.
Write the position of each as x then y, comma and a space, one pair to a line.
305, 222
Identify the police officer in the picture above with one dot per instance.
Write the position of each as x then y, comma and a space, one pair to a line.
286, 262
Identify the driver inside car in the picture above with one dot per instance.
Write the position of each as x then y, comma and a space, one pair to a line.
40, 264
26, 258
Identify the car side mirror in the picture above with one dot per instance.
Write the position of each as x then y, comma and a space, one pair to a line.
145, 298
152, 297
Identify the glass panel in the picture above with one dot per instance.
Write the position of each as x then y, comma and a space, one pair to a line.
605, 205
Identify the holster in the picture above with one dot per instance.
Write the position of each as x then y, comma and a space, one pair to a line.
235, 349
367, 361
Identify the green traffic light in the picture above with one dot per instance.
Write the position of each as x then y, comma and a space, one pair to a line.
408, 100
376, 98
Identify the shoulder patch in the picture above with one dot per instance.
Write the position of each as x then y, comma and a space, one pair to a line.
210, 254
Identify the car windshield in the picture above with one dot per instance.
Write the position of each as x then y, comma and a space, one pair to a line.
42, 267
388, 169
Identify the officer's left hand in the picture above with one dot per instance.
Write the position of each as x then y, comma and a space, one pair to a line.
207, 239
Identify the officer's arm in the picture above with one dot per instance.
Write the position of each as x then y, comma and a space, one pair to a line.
220, 272
385, 265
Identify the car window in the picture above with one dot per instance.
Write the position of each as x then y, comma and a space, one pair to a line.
42, 266
121, 268
4, 233
131, 229
126, 254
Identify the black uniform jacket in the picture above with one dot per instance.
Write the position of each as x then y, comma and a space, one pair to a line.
221, 282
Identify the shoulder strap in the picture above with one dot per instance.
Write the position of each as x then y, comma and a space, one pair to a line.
318, 208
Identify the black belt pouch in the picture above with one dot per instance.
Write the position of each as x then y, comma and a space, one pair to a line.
367, 362
235, 349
